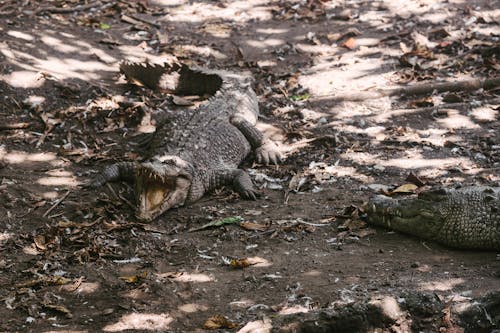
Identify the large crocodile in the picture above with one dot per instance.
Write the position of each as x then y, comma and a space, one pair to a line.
467, 218
199, 150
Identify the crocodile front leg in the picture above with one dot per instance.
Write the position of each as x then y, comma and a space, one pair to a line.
238, 179
114, 172
266, 151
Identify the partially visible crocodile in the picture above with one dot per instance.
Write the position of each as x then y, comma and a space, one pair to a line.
199, 150
467, 218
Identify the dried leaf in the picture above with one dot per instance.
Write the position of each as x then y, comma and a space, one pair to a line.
52, 280
240, 263
40, 242
181, 101
59, 308
252, 226
422, 102
217, 322
350, 43
406, 188
134, 278
415, 180
218, 223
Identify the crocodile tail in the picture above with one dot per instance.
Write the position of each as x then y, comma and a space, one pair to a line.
197, 82
153, 76
175, 78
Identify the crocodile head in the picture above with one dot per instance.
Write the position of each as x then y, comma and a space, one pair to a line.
421, 216
160, 185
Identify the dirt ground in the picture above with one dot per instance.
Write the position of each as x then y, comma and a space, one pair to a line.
74, 259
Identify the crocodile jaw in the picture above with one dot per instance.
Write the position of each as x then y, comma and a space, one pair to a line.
158, 188
411, 216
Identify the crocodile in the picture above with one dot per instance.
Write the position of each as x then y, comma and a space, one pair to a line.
200, 149
466, 218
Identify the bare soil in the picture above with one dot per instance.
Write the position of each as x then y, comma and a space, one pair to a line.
76, 260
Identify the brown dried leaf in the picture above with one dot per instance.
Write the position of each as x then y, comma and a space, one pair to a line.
252, 226
59, 308
45, 281
415, 180
350, 43
217, 322
240, 263
134, 278
40, 242
406, 188
422, 102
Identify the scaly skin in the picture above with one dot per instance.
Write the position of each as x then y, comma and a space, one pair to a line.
199, 150
466, 218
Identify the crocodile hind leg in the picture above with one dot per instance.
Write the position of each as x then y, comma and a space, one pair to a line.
266, 151
114, 172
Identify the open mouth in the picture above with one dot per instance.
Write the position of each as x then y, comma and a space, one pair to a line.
153, 192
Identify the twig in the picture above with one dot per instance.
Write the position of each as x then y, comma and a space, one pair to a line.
66, 10
14, 126
420, 89
56, 203
457, 106
312, 224
133, 19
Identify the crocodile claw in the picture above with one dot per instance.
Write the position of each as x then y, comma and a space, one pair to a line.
249, 195
268, 153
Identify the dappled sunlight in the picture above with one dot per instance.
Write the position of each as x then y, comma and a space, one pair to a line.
351, 172
204, 51
271, 31
34, 100
23, 79
265, 43
141, 321
313, 273
193, 307
441, 285
61, 67
325, 78
456, 120
51, 195
19, 157
259, 262
406, 8
389, 306
411, 160
57, 181
67, 331
58, 45
485, 114
257, 326
236, 11
288, 310
20, 35
5, 236
85, 288
187, 277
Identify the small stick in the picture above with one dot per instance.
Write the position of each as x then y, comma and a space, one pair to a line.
14, 126
131, 18
56, 203
419, 89
66, 10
